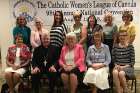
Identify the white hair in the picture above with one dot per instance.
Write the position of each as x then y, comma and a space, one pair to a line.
37, 19
45, 33
72, 34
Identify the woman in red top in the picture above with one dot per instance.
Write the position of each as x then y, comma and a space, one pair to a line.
18, 56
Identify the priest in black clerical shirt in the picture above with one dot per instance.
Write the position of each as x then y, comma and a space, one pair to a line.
41, 64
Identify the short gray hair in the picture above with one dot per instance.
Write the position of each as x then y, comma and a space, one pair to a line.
72, 34
44, 34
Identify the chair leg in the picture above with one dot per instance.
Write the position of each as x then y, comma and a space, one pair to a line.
135, 85
132, 84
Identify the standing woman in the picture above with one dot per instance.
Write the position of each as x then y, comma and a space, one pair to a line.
123, 56
92, 22
36, 33
22, 29
57, 37
110, 31
128, 26
79, 29
98, 59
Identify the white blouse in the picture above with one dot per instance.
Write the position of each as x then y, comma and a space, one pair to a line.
17, 61
69, 57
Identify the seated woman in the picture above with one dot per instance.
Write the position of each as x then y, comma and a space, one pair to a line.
123, 57
72, 62
18, 57
98, 59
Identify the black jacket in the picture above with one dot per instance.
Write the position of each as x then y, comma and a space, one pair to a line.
41, 54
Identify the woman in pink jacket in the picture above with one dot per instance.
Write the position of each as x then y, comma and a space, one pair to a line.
72, 62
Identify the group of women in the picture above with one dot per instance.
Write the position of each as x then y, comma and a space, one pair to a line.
84, 49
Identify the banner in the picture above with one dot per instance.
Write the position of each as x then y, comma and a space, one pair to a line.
46, 8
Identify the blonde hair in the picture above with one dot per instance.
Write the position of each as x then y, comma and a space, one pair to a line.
108, 14
77, 13
37, 19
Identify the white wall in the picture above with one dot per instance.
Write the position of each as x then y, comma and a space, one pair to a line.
137, 46
6, 25
5, 31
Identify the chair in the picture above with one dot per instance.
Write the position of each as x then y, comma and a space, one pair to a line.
27, 77
27, 74
24, 85
44, 81
134, 82
110, 79
82, 88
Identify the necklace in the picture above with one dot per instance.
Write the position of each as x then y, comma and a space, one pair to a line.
123, 45
45, 58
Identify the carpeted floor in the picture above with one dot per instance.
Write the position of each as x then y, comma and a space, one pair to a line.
43, 90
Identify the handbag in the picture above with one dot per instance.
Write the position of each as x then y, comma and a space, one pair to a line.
129, 71
24, 88
5, 88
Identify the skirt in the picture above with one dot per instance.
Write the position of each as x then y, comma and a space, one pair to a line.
20, 71
97, 77
75, 71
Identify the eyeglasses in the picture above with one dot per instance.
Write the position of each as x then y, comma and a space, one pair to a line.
76, 17
126, 16
123, 35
